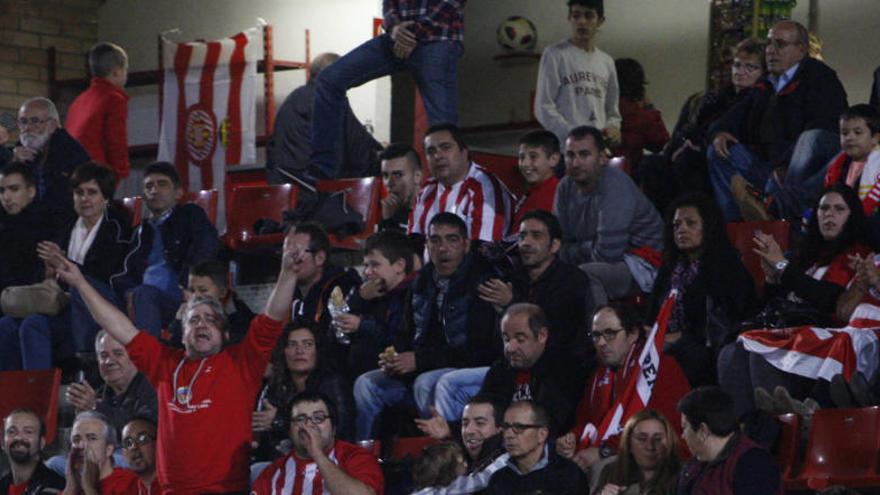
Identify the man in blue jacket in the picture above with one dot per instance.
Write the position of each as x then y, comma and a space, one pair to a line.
163, 248
453, 332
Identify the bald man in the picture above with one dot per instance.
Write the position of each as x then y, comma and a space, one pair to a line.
291, 144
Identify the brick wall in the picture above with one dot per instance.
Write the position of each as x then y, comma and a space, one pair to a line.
27, 29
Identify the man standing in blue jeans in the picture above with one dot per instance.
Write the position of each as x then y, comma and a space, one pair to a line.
780, 137
454, 335
421, 36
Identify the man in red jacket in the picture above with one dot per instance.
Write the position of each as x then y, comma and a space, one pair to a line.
619, 338
97, 117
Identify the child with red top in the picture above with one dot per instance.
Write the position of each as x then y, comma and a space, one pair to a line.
538, 156
205, 391
97, 118
858, 165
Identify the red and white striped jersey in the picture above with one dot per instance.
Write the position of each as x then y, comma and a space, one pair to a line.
481, 199
292, 475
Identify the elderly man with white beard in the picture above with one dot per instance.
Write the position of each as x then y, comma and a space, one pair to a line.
50, 150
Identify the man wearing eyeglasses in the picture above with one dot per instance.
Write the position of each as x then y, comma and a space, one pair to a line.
90, 468
770, 151
139, 448
618, 336
50, 151
532, 466
319, 463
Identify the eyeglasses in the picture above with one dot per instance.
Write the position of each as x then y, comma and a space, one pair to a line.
780, 44
746, 66
140, 440
316, 419
24, 121
609, 334
518, 428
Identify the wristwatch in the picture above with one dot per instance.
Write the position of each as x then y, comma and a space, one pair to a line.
780, 266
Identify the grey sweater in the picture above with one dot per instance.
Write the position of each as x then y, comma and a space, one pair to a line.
604, 224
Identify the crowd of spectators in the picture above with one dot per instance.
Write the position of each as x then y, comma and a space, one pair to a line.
596, 335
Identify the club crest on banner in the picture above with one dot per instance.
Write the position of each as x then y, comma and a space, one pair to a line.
201, 134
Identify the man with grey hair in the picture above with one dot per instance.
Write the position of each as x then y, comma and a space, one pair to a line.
51, 151
124, 395
90, 462
770, 151
291, 144
527, 372
205, 391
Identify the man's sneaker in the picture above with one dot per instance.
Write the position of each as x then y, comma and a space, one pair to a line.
753, 204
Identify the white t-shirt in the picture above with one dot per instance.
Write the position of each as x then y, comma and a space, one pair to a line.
576, 87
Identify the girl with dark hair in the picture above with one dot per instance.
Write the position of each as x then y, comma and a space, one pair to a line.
820, 270
803, 290
715, 291
648, 460
300, 364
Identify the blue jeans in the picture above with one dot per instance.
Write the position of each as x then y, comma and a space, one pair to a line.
153, 309
434, 65
28, 343
804, 175
454, 390
742, 162
83, 326
374, 391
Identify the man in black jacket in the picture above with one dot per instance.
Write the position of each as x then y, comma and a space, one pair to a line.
50, 151
779, 138
527, 372
454, 338
559, 288
533, 467
24, 436
163, 248
291, 144
23, 223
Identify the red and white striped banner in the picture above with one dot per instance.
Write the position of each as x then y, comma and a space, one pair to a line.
208, 119
638, 392
815, 353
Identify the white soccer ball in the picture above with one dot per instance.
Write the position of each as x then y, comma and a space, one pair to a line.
517, 33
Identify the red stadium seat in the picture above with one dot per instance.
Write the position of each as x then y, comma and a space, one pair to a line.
251, 203
505, 168
134, 205
36, 390
843, 449
362, 195
207, 199
788, 448
741, 235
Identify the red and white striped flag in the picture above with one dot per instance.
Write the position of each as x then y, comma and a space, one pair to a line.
638, 392
208, 116
815, 353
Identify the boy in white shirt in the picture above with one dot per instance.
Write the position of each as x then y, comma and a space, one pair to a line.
577, 82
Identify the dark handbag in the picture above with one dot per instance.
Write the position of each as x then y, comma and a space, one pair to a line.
781, 312
330, 210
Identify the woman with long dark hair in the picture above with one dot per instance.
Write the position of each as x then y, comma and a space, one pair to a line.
648, 460
715, 291
299, 364
802, 289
